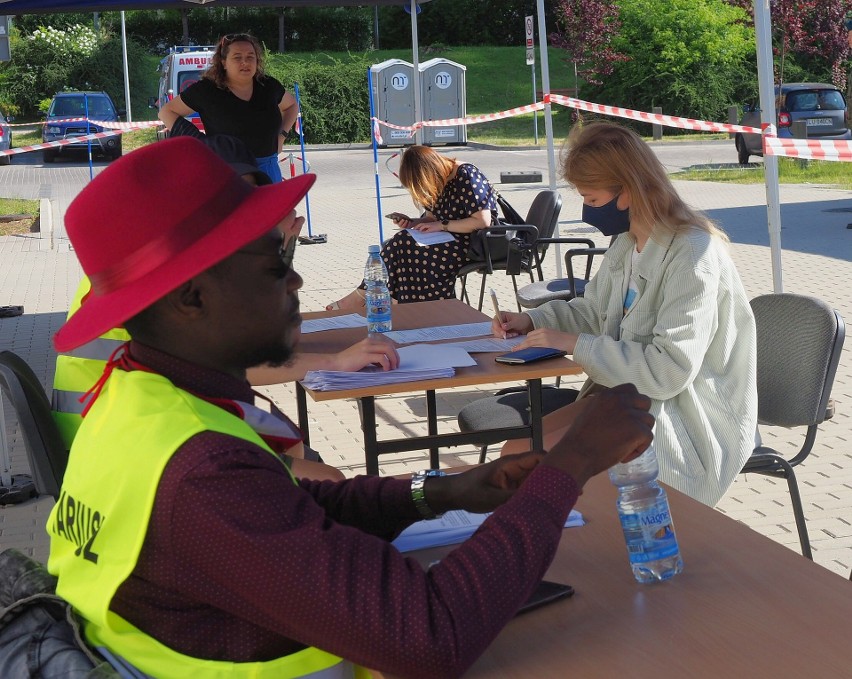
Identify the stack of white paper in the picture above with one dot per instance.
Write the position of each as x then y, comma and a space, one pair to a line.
416, 362
452, 528
332, 380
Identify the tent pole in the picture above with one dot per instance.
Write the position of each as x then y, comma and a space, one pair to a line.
126, 71
548, 117
766, 80
418, 110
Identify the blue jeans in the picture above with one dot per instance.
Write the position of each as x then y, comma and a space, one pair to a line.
39, 634
269, 165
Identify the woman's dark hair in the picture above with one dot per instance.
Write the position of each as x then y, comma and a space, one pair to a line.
216, 72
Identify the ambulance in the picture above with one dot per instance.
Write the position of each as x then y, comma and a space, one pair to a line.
180, 68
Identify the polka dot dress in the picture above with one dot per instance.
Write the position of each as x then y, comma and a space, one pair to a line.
418, 273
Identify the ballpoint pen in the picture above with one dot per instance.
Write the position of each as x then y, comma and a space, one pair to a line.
497, 308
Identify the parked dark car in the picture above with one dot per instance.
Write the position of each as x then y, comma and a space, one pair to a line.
64, 120
5, 139
821, 106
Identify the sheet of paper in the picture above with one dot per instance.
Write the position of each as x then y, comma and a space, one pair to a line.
452, 528
418, 356
431, 238
333, 323
441, 332
488, 344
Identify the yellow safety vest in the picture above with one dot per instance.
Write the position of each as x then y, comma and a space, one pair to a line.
99, 523
78, 370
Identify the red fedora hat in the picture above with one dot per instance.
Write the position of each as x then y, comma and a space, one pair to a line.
154, 219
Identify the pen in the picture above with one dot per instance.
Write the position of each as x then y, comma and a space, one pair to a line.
496, 307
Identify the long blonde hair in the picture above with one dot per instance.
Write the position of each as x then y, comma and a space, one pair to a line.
217, 73
425, 173
603, 155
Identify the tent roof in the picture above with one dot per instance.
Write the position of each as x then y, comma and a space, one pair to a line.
55, 6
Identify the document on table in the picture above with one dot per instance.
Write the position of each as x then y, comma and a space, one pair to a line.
416, 362
333, 323
451, 528
441, 332
430, 238
488, 344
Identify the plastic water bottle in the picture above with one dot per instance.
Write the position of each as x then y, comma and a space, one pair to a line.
643, 509
377, 295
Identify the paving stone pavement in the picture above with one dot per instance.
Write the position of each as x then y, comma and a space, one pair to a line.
41, 272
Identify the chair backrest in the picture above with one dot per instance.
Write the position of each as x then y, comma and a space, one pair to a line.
45, 451
544, 213
799, 340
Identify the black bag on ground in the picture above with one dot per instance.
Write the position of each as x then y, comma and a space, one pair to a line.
498, 246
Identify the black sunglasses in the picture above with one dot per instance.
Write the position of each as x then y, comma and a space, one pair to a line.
235, 37
286, 252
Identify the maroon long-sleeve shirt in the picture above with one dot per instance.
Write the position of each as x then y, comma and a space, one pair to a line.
240, 564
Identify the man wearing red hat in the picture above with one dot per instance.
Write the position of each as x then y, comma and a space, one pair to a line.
181, 537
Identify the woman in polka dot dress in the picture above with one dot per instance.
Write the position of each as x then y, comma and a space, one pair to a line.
456, 198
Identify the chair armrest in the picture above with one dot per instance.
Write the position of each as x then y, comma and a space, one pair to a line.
509, 232
589, 254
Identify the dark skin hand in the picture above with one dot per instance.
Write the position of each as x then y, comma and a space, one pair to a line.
615, 427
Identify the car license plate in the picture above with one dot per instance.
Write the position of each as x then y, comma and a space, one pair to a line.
815, 122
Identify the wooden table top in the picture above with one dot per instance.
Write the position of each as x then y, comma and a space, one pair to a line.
423, 315
744, 606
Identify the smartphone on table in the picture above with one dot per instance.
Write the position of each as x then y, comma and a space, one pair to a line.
545, 592
529, 355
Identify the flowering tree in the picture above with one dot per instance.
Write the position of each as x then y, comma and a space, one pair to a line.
811, 32
585, 30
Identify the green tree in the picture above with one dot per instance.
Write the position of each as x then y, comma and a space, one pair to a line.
690, 57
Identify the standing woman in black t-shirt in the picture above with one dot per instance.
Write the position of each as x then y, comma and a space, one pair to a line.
235, 97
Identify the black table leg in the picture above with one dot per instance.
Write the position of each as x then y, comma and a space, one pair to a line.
302, 410
537, 430
432, 423
368, 425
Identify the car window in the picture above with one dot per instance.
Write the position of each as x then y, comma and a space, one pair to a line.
187, 78
831, 100
67, 106
100, 108
802, 101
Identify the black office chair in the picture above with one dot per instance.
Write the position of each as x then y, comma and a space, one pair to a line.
45, 450
799, 340
526, 249
573, 285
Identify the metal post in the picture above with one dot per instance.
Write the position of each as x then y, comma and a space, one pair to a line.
548, 117
418, 110
766, 79
657, 130
126, 71
535, 113
373, 127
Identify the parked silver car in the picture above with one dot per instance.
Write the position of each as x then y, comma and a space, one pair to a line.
821, 106
5, 139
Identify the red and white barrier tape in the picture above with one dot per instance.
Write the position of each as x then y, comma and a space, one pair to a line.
470, 120
809, 149
658, 118
76, 140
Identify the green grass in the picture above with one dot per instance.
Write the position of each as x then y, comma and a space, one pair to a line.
790, 171
18, 206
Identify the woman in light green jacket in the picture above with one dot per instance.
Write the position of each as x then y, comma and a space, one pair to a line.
666, 311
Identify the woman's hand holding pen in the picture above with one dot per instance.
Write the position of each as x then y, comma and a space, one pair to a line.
513, 324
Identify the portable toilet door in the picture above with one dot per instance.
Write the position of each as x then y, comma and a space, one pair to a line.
443, 93
393, 97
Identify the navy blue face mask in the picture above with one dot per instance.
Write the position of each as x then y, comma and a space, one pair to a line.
608, 219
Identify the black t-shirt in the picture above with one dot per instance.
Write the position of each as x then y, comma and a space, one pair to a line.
257, 122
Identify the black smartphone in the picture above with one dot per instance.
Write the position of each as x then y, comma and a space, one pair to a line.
529, 355
545, 593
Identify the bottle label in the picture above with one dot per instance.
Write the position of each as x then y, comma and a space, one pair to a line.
649, 534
